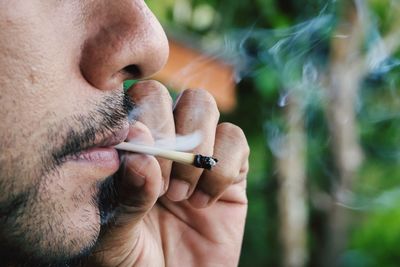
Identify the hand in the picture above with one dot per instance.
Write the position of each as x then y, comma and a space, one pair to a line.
171, 214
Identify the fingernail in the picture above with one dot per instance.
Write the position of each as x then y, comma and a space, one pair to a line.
178, 190
200, 199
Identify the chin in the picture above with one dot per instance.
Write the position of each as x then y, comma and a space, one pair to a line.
51, 228
57, 220
50, 239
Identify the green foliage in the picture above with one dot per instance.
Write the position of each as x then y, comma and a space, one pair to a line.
128, 84
267, 83
375, 234
161, 8
377, 240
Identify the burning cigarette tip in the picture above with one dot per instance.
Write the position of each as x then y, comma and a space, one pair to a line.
204, 162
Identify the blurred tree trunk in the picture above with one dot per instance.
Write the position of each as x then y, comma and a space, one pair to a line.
292, 193
344, 79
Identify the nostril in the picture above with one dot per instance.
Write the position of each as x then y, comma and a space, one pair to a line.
132, 71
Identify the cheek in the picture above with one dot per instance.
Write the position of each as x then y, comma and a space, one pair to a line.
58, 220
76, 194
69, 215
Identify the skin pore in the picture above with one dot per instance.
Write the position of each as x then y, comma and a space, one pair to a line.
67, 197
32, 211
52, 108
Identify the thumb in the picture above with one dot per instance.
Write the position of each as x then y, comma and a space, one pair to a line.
138, 187
138, 184
139, 180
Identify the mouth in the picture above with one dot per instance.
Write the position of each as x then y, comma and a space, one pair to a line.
102, 153
114, 138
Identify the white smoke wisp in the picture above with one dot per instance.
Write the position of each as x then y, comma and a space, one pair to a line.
183, 143
302, 57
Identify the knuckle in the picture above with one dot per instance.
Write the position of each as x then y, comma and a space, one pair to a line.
228, 176
246, 149
202, 98
197, 93
244, 171
233, 131
230, 127
140, 133
220, 185
161, 91
236, 136
152, 87
151, 84
186, 173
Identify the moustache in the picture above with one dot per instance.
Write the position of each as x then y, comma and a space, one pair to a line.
83, 130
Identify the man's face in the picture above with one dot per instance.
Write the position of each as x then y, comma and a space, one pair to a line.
62, 64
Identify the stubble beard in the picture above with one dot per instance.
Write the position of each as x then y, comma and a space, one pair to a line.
33, 229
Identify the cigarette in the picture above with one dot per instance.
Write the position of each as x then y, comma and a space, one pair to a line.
197, 160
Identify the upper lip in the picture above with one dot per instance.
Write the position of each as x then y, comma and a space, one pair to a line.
114, 137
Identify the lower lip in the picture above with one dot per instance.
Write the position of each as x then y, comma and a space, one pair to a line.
103, 157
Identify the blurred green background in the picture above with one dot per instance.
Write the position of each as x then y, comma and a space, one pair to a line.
322, 191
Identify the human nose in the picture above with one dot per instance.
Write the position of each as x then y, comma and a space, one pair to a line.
125, 41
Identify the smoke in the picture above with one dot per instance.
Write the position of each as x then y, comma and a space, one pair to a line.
301, 59
181, 142
331, 82
185, 142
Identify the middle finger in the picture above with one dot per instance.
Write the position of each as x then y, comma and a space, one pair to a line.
154, 109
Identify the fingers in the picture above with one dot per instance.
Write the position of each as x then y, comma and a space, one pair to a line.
154, 110
139, 180
195, 111
232, 151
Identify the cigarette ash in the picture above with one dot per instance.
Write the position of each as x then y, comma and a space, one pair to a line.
169, 149
204, 162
